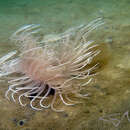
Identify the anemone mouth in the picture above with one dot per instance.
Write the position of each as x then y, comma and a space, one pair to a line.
50, 72
51, 92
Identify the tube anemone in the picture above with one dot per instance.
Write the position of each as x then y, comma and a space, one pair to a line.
49, 68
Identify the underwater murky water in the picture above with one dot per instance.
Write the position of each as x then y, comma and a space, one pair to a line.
108, 105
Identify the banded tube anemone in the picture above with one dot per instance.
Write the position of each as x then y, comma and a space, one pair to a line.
49, 68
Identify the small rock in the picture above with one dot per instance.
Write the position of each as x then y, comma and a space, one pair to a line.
109, 40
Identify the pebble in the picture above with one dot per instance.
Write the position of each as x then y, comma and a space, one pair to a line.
109, 40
